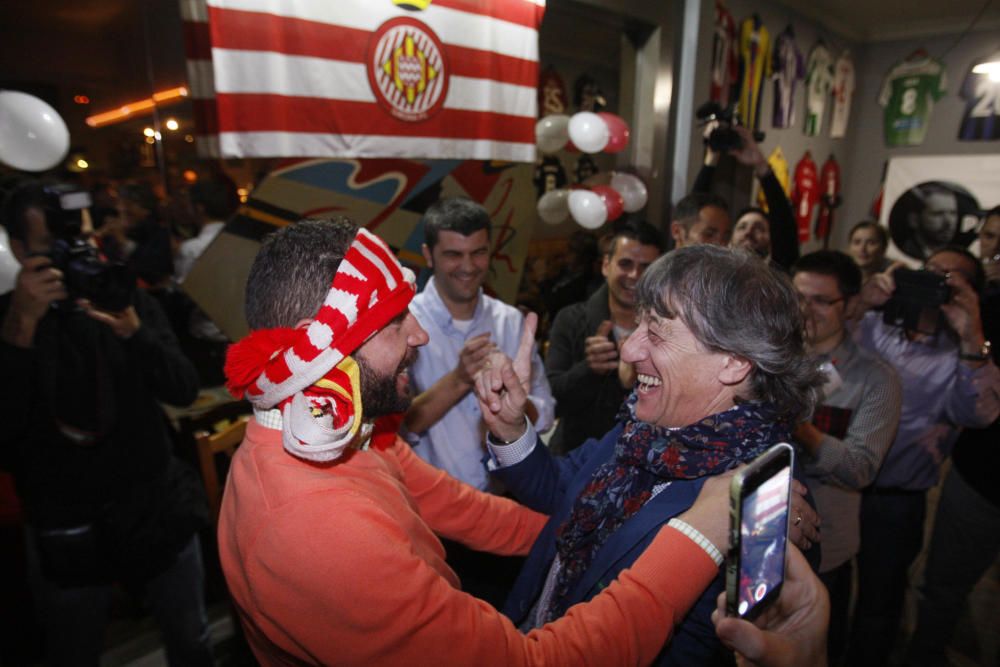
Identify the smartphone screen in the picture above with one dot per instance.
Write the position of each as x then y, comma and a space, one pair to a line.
759, 498
763, 532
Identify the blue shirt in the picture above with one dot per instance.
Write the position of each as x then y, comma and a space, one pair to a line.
940, 395
456, 442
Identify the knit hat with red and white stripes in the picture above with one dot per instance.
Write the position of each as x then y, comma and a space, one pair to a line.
307, 372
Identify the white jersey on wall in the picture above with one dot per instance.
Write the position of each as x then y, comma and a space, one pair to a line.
819, 76
843, 92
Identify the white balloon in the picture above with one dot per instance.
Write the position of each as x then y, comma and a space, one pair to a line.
632, 190
587, 208
9, 266
552, 133
588, 132
553, 207
33, 137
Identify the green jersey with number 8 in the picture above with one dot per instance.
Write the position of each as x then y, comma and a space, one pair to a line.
908, 95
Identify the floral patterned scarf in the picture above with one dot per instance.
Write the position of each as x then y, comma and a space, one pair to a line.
647, 455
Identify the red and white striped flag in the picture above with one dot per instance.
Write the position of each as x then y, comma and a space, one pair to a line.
369, 78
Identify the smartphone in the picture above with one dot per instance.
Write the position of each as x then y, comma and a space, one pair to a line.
759, 501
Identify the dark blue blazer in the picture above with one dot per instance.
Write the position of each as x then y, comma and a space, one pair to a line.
550, 485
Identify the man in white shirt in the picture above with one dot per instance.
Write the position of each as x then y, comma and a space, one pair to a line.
444, 424
213, 203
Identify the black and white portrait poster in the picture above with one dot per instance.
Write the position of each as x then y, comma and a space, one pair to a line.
935, 201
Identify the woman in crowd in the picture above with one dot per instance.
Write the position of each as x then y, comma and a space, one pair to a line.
867, 244
722, 375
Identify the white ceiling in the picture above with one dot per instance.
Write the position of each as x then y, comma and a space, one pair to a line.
887, 20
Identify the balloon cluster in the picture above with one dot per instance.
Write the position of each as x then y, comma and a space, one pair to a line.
591, 208
590, 133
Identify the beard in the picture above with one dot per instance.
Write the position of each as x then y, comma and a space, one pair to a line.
379, 396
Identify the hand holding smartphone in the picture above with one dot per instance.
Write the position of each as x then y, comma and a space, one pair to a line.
759, 502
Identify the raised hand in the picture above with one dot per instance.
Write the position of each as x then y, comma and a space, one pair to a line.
522, 359
963, 313
600, 351
879, 288
38, 286
123, 324
503, 397
471, 358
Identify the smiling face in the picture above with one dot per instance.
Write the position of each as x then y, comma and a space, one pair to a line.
460, 264
624, 267
384, 360
866, 248
752, 232
679, 380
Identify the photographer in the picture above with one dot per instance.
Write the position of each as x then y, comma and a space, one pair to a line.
772, 234
949, 381
87, 443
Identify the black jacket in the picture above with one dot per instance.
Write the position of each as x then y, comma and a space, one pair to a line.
124, 479
586, 403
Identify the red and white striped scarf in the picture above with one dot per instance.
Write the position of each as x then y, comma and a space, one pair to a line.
307, 372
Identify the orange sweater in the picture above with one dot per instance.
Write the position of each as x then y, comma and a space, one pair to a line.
339, 565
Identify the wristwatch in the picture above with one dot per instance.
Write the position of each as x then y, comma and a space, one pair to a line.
982, 355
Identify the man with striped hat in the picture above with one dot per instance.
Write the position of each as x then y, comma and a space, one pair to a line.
329, 523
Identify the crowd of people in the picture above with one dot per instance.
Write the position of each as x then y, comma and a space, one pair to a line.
427, 477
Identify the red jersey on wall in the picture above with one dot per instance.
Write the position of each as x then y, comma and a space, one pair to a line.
805, 195
829, 178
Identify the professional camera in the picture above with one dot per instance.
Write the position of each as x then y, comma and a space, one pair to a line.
723, 138
916, 303
108, 285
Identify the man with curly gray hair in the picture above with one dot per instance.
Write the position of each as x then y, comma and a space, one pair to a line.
723, 375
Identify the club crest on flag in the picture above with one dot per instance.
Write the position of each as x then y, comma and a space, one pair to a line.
407, 70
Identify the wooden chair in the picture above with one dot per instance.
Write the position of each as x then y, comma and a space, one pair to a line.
210, 444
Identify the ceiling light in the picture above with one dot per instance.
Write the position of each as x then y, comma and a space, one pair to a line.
172, 124
139, 107
990, 67
148, 132
82, 164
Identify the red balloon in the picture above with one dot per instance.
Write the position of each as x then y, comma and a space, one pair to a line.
618, 132
613, 201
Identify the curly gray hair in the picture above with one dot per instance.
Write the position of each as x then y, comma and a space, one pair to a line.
733, 302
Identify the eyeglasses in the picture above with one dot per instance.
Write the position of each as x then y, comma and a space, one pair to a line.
819, 301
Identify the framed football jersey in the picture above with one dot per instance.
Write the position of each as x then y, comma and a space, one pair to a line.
981, 121
908, 94
819, 78
755, 67
843, 92
725, 62
788, 71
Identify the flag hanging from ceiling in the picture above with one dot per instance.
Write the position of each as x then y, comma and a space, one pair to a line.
449, 79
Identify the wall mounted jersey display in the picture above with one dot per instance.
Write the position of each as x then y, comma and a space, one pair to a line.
819, 78
908, 94
788, 69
